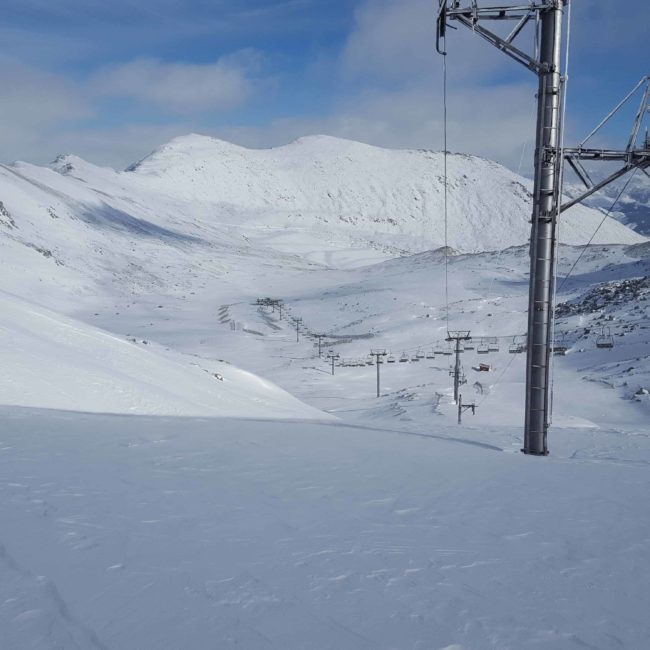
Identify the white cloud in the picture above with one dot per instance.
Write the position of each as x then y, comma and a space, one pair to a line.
33, 104
33, 97
181, 87
392, 78
413, 119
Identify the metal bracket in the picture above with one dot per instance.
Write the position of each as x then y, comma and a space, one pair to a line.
471, 16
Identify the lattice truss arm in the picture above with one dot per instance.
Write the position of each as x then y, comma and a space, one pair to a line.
635, 156
472, 15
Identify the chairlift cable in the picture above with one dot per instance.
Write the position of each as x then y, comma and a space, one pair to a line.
609, 211
444, 120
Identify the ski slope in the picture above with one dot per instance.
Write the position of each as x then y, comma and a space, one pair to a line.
50, 361
136, 533
180, 469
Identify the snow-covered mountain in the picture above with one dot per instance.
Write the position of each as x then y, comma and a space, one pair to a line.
339, 186
136, 293
201, 220
631, 207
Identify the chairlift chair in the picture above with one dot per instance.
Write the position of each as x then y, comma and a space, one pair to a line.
448, 351
493, 344
404, 358
431, 354
370, 360
419, 354
469, 345
483, 347
438, 349
560, 347
391, 358
515, 347
605, 340
415, 357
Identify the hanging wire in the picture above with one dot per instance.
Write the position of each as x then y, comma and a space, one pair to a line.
444, 120
607, 214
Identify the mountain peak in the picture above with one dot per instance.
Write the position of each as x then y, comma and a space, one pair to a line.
183, 146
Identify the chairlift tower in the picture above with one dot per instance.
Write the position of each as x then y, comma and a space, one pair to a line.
378, 354
546, 64
333, 357
457, 337
320, 338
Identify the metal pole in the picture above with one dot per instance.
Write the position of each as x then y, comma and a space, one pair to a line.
460, 408
298, 321
543, 234
333, 357
457, 371
377, 364
378, 354
457, 337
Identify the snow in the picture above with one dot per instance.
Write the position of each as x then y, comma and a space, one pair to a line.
178, 471
55, 362
145, 532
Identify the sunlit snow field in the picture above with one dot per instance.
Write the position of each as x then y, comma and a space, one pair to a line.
177, 470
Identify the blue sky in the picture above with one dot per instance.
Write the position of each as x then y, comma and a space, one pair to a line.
110, 81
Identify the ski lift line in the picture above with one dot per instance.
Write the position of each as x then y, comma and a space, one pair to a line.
440, 343
609, 211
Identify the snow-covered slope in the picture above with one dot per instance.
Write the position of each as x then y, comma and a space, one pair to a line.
150, 533
390, 528
341, 184
50, 361
202, 223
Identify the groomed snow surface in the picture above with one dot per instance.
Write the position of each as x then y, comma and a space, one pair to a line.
177, 471
132, 533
